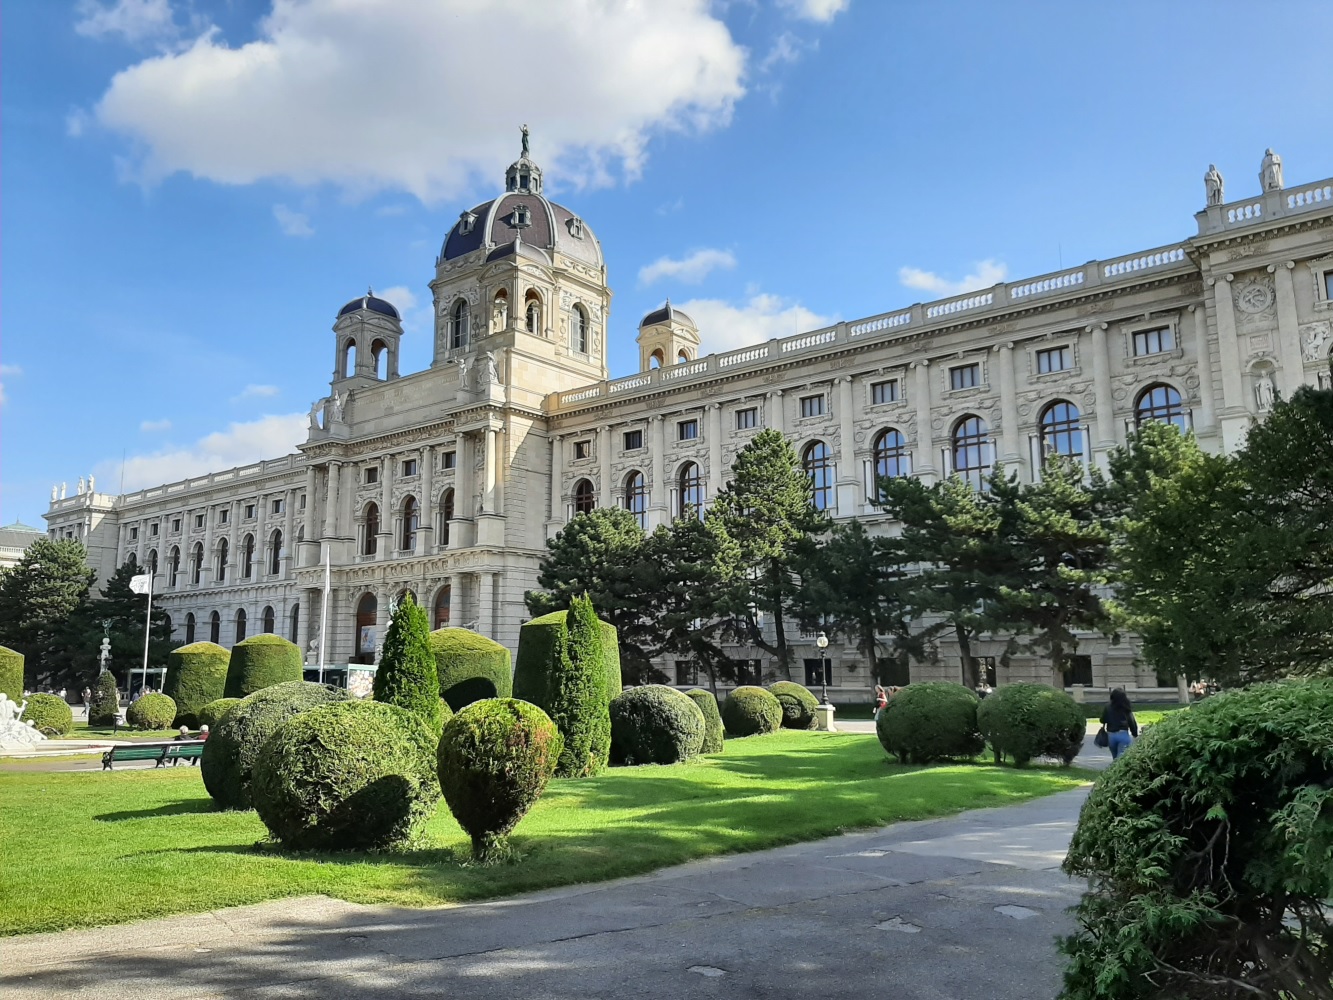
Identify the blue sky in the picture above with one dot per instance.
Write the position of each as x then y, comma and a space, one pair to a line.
192, 189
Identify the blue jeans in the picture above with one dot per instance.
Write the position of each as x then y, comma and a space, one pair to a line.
1120, 742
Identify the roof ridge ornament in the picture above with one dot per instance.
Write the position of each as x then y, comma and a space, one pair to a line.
525, 141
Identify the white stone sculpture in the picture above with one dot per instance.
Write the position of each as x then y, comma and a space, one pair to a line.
501, 316
492, 374
315, 407
1270, 171
339, 401
312, 654
79, 489
462, 371
1212, 182
90, 482
63, 487
14, 733
1263, 392
1316, 341
55, 492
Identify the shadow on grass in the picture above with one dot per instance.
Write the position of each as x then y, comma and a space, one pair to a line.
183, 807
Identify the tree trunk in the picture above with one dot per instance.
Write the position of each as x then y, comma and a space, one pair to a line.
970, 677
1057, 665
784, 653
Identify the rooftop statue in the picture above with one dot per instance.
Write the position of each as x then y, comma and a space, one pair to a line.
1270, 171
1212, 182
525, 140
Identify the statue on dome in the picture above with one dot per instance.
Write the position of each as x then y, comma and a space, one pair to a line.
1270, 171
525, 140
1212, 182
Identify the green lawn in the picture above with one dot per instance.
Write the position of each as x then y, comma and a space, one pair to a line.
81, 849
83, 731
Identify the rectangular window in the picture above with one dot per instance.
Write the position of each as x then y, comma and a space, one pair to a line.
1153, 341
198, 522
687, 430
812, 672
747, 418
152, 529
410, 467
812, 406
370, 475
224, 515
279, 506
582, 449
134, 537
1052, 359
633, 440
1079, 672
175, 526
1328, 286
965, 376
302, 506
884, 392
686, 673
450, 460
249, 511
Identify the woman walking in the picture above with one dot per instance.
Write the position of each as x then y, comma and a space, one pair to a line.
881, 701
1121, 726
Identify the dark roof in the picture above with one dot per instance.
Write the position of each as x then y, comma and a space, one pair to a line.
548, 229
370, 302
663, 315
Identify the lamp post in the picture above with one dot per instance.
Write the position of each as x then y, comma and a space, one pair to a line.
822, 642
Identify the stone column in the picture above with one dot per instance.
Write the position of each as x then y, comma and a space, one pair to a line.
455, 600
486, 604
259, 565
1235, 412
501, 466
490, 479
1009, 408
923, 459
311, 488
385, 536
774, 416
233, 547
288, 538
1106, 435
426, 530
332, 473
657, 496
846, 479
465, 505
557, 516
1206, 424
714, 432
206, 573
1292, 375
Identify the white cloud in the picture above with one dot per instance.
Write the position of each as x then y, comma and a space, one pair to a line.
133, 20
149, 426
724, 326
403, 298
690, 269
787, 48
292, 223
815, 10
376, 94
253, 391
239, 444
988, 272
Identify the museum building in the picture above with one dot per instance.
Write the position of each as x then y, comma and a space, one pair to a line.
449, 481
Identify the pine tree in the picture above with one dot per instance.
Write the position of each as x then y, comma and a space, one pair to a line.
38, 597
406, 674
579, 702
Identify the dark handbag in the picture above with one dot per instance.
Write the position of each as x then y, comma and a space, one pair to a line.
1102, 739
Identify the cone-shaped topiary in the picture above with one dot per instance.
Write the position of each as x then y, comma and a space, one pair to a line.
356, 775
495, 759
262, 661
536, 651
713, 729
151, 711
655, 724
406, 676
1022, 721
751, 711
470, 667
233, 747
798, 704
11, 673
196, 675
934, 720
104, 709
576, 695
211, 714
49, 713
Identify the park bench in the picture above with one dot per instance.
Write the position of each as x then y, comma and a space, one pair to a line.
190, 750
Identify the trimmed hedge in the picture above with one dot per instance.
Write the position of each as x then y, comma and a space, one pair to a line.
929, 721
470, 667
495, 758
537, 640
577, 699
751, 711
262, 661
1022, 721
655, 724
50, 713
406, 676
11, 673
196, 675
211, 714
714, 738
798, 704
355, 775
152, 711
233, 747
104, 709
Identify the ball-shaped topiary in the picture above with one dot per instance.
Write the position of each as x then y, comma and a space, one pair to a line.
49, 713
495, 758
196, 675
233, 747
1022, 721
934, 720
262, 661
104, 708
354, 775
11, 673
751, 711
151, 711
714, 731
655, 724
211, 714
798, 704
470, 667
1206, 852
538, 642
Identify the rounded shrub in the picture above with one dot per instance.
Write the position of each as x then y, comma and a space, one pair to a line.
538, 642
196, 675
11, 673
933, 720
233, 747
1208, 850
152, 711
655, 724
262, 661
211, 714
713, 729
751, 711
353, 775
495, 758
104, 708
470, 667
798, 704
50, 713
1022, 721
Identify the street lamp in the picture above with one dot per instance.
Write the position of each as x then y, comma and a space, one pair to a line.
822, 642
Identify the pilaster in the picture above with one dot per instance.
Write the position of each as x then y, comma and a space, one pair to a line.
1292, 372
923, 459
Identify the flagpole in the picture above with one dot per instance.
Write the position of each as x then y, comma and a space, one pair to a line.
147, 625
324, 615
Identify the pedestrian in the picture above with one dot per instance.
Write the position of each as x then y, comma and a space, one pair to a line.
203, 733
1121, 726
881, 701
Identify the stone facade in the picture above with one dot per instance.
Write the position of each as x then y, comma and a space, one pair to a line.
448, 482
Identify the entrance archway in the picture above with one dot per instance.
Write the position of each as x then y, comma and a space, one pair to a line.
366, 638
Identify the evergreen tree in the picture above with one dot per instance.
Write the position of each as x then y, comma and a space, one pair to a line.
406, 675
38, 596
104, 708
579, 703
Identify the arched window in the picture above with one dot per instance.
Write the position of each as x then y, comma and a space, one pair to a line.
533, 302
458, 325
682, 357
369, 543
1160, 403
248, 557
500, 311
971, 451
240, 624
446, 514
403, 594
215, 627
410, 523
584, 497
173, 565
348, 359
379, 351
294, 623
1060, 431
223, 552
691, 491
366, 636
152, 561
170, 627
132, 561
890, 450
189, 627
818, 464
578, 333
442, 602
657, 359
275, 553
636, 497
197, 562
268, 619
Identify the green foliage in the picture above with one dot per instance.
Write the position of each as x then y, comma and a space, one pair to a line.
577, 696
751, 711
49, 713
798, 704
656, 724
495, 759
931, 721
262, 661
104, 708
714, 732
196, 675
1022, 721
470, 667
211, 714
233, 746
38, 596
355, 775
1209, 854
538, 651
11, 673
406, 676
151, 711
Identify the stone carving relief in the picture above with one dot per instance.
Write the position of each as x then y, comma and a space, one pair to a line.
1260, 345
1315, 338
1255, 296
1248, 250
